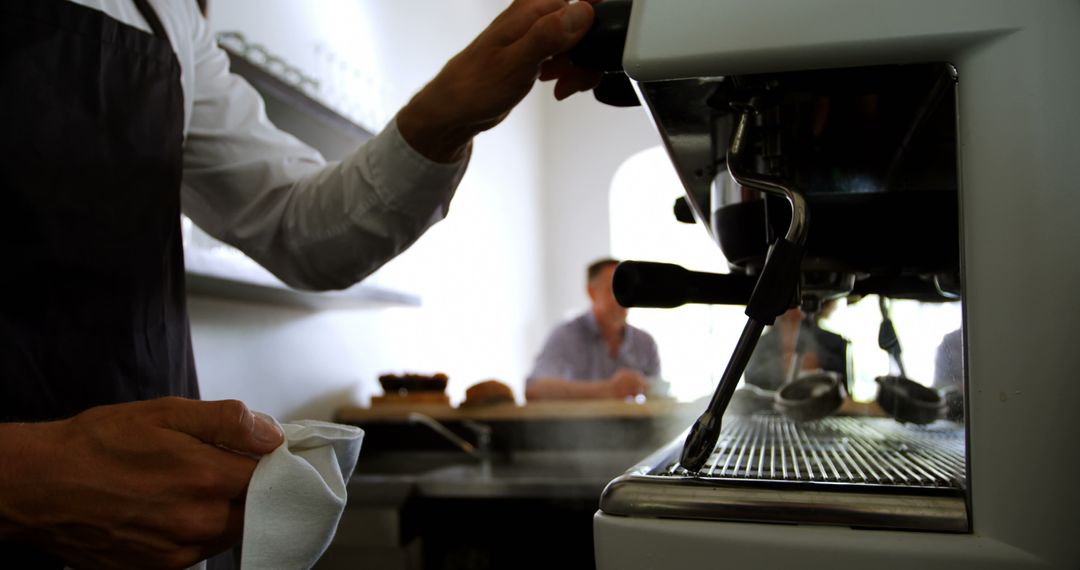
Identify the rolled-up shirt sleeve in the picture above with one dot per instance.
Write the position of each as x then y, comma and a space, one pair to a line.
315, 225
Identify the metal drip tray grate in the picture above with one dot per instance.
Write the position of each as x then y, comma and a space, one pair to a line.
877, 451
853, 471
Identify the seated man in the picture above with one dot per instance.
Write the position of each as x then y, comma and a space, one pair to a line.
596, 355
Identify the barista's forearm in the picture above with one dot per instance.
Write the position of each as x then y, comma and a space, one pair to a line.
562, 389
432, 131
23, 448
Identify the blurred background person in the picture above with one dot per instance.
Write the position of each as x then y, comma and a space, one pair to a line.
949, 362
795, 336
949, 373
598, 354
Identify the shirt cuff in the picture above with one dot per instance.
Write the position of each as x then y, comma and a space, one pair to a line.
402, 176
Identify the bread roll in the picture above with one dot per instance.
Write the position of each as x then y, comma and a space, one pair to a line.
488, 392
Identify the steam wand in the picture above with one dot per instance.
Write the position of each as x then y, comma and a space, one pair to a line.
773, 294
888, 340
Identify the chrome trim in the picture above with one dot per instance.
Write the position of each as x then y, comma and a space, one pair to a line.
779, 502
796, 232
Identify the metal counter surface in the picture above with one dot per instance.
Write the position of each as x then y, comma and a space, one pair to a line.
541, 474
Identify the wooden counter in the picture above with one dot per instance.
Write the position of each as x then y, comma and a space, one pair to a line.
549, 410
545, 425
555, 410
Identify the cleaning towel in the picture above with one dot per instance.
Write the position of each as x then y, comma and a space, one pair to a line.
297, 494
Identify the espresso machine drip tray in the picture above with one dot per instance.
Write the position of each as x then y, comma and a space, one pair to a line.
835, 450
852, 471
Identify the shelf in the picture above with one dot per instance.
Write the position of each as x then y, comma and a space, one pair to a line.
296, 112
356, 297
218, 271
226, 274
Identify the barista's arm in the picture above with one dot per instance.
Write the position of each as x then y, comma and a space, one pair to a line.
143, 484
326, 226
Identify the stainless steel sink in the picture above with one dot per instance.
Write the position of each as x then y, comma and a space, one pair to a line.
407, 463
534, 474
390, 478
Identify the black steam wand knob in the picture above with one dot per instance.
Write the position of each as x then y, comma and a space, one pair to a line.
774, 294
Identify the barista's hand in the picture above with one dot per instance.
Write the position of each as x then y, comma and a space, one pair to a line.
625, 383
146, 484
477, 89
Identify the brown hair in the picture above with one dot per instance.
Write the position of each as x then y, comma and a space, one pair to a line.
597, 266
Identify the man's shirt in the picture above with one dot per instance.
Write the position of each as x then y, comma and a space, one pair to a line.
575, 350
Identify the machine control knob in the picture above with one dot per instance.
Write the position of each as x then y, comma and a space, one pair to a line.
682, 211
602, 50
602, 47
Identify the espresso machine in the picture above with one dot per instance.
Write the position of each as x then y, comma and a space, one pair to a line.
906, 149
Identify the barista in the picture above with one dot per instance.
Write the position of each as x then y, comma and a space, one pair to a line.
598, 354
117, 116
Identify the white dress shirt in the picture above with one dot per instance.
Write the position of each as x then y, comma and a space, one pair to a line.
316, 225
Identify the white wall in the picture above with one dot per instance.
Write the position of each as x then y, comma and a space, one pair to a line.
494, 276
584, 144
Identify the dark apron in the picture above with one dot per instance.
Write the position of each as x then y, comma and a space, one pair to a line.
92, 306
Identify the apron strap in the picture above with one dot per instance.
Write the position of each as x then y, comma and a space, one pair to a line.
152, 19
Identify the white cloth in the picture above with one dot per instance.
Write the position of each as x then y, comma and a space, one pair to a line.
314, 225
297, 494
